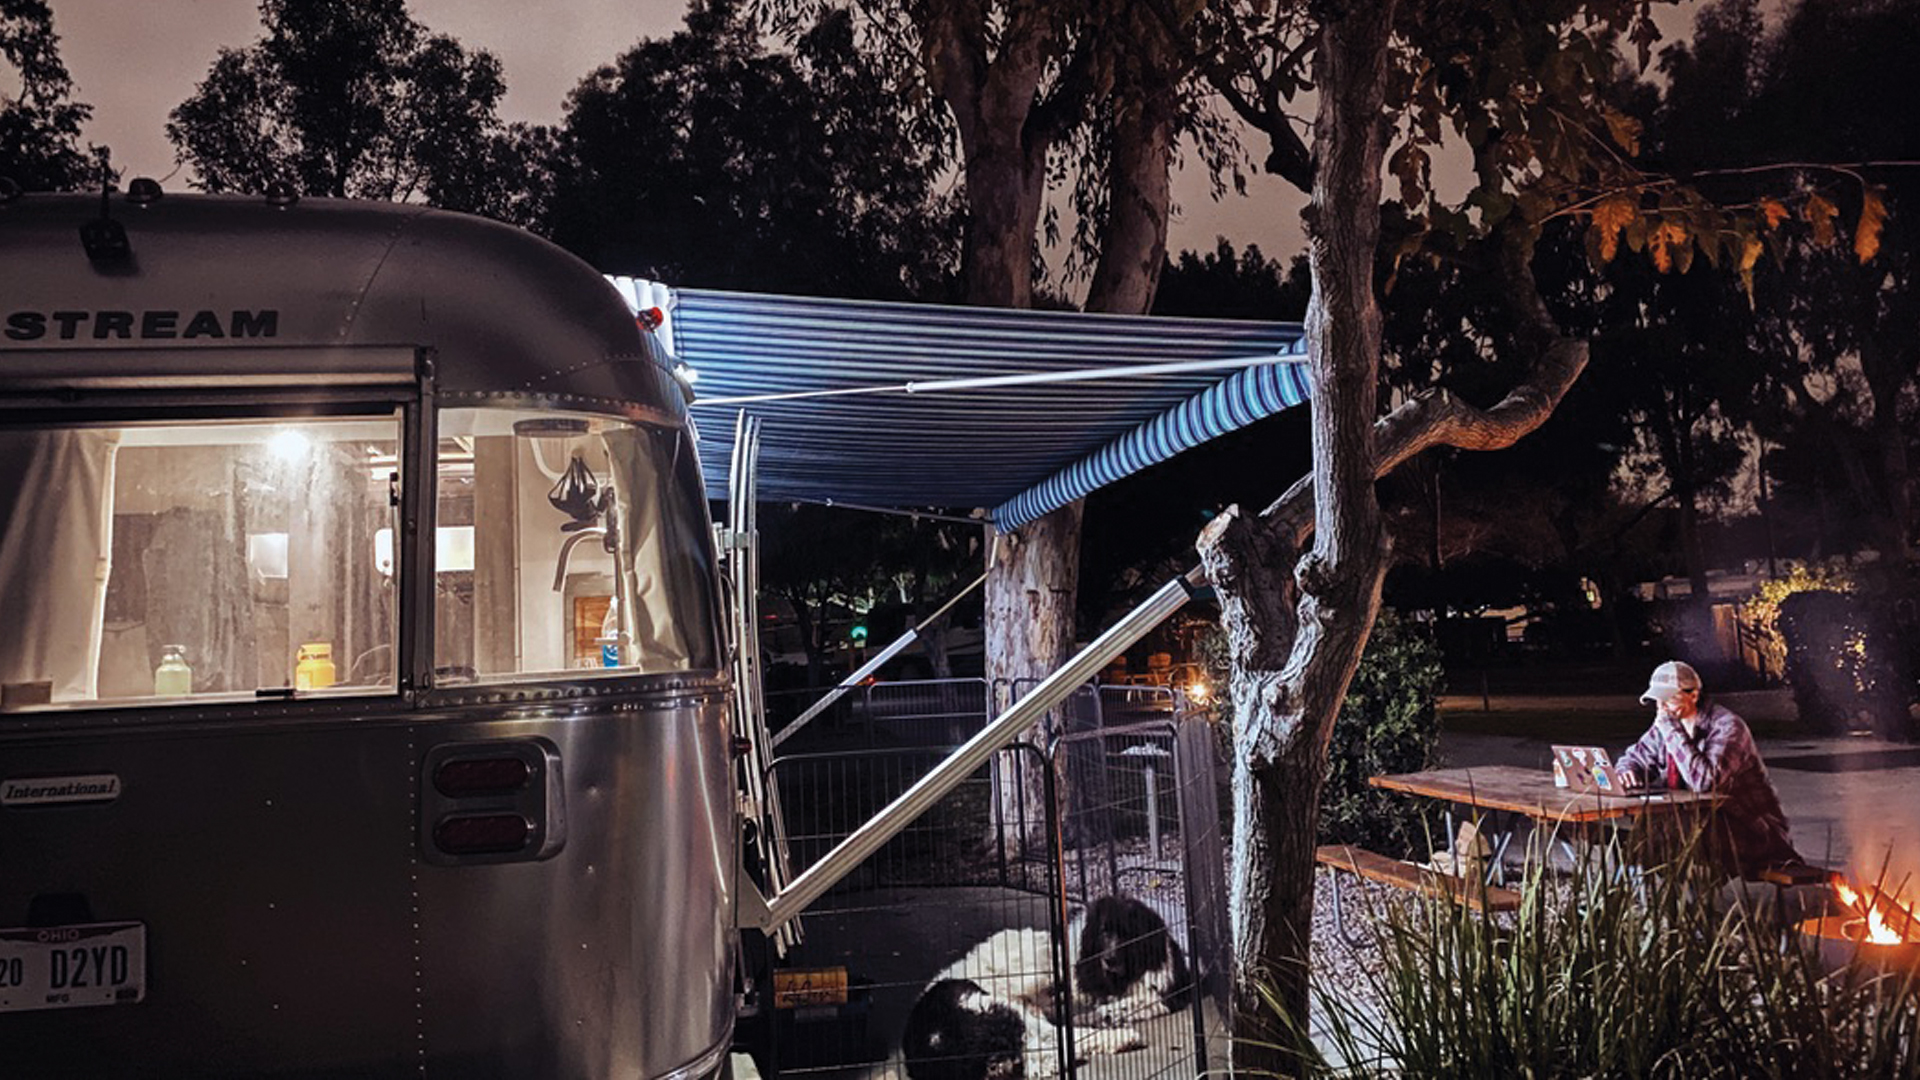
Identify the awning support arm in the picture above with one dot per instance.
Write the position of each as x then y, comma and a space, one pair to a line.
972, 754
871, 666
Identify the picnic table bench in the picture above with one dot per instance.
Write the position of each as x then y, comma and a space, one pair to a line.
1474, 892
1373, 866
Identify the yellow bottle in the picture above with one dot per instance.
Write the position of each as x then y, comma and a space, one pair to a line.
315, 668
173, 677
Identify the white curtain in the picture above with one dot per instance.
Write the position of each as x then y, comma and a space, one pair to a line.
56, 500
664, 576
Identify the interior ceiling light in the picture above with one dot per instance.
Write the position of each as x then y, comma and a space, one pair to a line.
289, 445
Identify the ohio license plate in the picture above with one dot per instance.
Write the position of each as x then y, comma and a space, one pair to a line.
64, 967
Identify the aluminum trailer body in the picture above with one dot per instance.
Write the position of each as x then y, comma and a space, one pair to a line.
363, 705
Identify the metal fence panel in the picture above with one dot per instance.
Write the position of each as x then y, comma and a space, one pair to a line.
1126, 804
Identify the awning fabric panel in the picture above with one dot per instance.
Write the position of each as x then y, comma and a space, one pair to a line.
988, 448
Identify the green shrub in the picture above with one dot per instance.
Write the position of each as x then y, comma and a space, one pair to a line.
1846, 661
1761, 611
1389, 723
1824, 647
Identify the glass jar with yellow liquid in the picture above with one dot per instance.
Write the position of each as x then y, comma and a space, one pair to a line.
174, 676
314, 669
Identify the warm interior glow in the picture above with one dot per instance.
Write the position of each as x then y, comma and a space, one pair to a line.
452, 552
1199, 692
289, 445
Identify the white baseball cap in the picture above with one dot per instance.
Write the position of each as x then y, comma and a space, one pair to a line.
1669, 679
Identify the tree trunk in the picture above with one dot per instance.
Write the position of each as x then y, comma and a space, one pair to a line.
1672, 419
933, 642
1005, 181
1272, 911
1892, 702
1284, 712
994, 99
1291, 665
1133, 239
1887, 381
1005, 134
1029, 633
1696, 636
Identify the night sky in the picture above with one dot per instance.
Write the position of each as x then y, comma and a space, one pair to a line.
133, 62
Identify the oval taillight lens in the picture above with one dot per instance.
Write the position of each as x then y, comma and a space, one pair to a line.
482, 834
463, 778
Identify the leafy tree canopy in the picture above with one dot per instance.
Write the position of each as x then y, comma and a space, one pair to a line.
355, 99
39, 120
1228, 284
1827, 345
706, 160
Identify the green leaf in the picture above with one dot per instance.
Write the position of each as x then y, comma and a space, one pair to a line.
1710, 243
1624, 129
1409, 165
1534, 205
1453, 224
1494, 206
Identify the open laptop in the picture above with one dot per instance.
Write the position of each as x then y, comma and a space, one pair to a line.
1588, 769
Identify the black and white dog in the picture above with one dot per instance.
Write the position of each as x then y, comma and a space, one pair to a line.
958, 1031
1129, 966
992, 1014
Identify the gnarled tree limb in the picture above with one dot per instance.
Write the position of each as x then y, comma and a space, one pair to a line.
1438, 418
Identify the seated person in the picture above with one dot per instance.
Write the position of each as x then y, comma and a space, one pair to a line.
1701, 745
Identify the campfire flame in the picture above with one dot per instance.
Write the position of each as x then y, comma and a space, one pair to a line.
1888, 921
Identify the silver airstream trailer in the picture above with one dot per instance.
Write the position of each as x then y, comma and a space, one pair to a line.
362, 705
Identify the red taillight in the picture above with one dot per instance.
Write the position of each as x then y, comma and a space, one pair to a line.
482, 834
463, 778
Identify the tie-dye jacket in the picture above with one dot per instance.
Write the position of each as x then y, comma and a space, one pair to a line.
1720, 756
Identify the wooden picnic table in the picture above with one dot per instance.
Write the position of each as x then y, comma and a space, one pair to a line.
1508, 793
1530, 792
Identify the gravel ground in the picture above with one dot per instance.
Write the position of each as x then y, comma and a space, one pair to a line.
1349, 959
1348, 964
1346, 961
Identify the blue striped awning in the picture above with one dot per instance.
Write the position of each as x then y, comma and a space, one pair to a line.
858, 402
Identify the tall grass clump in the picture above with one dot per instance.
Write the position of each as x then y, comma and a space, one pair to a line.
1607, 970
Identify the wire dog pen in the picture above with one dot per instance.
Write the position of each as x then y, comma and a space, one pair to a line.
985, 885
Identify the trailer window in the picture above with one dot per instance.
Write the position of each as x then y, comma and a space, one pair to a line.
155, 563
580, 543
